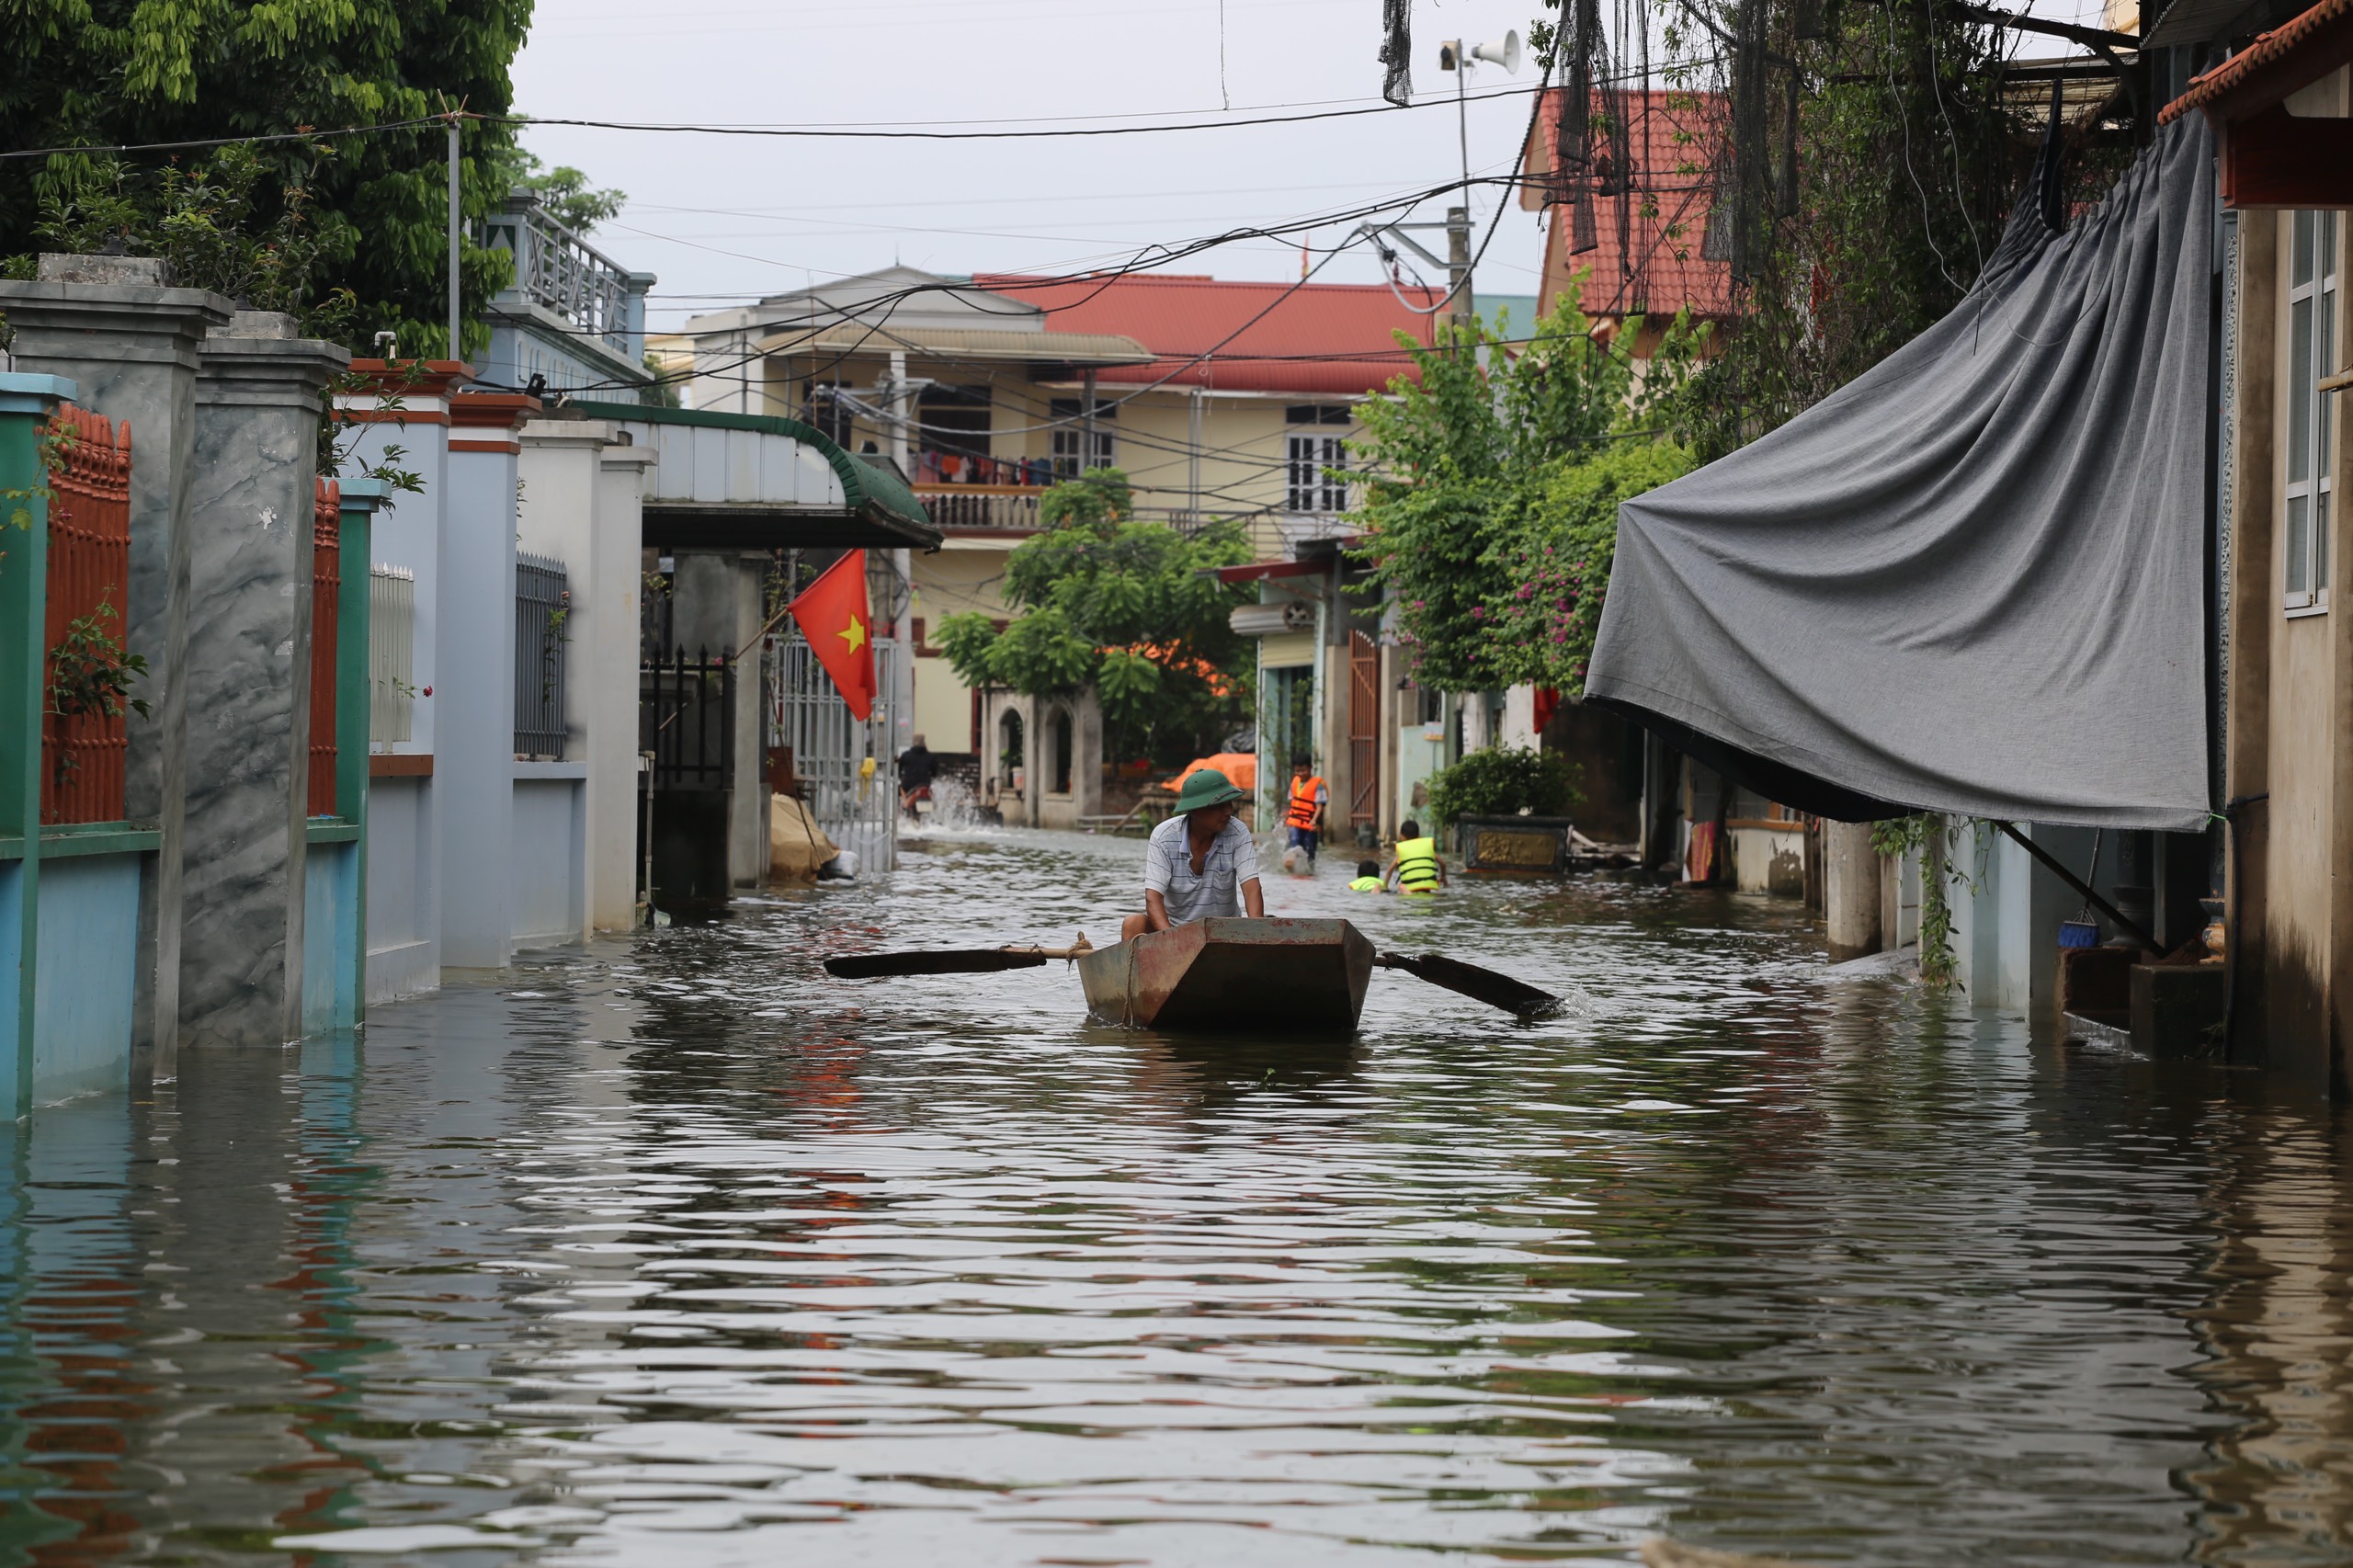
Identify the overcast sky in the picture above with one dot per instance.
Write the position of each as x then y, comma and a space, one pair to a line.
721, 219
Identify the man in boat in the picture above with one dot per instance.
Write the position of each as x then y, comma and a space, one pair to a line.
1201, 863
1416, 868
1310, 796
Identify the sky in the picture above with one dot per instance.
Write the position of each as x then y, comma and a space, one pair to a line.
721, 219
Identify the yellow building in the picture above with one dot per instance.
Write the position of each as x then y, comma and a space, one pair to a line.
1220, 400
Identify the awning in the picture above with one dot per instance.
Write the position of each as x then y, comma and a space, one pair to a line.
753, 480
1974, 579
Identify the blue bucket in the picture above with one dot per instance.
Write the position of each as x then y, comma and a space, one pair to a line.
2079, 933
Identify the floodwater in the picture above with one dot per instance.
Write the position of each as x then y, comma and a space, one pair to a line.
677, 1252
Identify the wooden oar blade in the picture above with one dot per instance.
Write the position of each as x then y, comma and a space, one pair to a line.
943, 960
1468, 980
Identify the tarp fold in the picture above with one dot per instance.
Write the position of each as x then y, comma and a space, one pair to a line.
1973, 580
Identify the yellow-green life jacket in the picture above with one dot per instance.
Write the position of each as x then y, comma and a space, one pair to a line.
1365, 884
1417, 865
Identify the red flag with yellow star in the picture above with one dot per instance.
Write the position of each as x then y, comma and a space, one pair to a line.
833, 615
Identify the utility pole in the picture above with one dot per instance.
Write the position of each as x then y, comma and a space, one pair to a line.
1086, 429
1458, 265
903, 606
457, 344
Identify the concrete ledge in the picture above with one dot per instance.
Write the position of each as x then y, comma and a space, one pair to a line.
550, 772
1902, 963
58, 843
2092, 1031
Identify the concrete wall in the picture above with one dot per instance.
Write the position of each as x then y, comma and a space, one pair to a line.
475, 699
2292, 715
551, 816
82, 993
330, 876
403, 830
605, 677
404, 935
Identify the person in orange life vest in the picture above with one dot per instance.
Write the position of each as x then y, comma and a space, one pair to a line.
1309, 797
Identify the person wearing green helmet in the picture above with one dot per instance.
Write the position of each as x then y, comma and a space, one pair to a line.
1200, 864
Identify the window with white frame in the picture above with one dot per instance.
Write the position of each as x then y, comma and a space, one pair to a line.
1316, 458
1070, 440
2311, 356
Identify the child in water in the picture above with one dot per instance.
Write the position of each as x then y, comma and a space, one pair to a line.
1367, 877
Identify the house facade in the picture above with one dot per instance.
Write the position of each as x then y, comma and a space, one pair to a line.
2283, 107
1218, 399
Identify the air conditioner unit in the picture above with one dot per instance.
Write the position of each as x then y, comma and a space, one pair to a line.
1272, 620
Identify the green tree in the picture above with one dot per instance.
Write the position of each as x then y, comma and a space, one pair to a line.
1122, 605
1501, 781
1465, 474
1556, 546
566, 192
99, 72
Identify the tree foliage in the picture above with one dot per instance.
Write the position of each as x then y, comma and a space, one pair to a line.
1501, 781
99, 72
566, 194
1122, 605
1479, 473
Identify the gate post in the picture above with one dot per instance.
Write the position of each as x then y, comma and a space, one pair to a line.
259, 400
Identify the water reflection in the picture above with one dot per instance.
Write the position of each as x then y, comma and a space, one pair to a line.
679, 1252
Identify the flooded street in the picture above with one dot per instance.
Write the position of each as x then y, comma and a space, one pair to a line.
678, 1252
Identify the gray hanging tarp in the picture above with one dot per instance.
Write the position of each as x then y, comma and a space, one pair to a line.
1972, 580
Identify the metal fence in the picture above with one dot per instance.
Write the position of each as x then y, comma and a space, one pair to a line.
687, 719
83, 749
543, 605
859, 810
391, 652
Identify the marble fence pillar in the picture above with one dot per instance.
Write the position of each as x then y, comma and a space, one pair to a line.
259, 395
107, 323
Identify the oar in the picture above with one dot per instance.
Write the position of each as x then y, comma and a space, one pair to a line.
1481, 985
950, 961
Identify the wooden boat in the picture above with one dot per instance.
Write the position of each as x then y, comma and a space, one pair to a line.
1233, 976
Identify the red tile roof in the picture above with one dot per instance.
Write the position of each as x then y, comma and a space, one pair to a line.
1660, 270
2323, 37
1327, 338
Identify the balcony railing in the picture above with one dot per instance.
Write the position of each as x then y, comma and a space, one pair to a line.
559, 270
974, 507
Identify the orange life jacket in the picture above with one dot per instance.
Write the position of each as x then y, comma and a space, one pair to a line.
1303, 802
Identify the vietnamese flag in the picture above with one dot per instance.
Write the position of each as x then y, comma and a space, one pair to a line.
833, 614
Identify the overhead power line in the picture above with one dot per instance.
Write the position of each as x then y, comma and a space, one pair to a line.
843, 132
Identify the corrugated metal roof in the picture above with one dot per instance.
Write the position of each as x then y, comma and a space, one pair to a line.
1310, 339
965, 343
1658, 269
2308, 36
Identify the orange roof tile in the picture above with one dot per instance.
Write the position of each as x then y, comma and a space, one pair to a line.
1310, 338
1658, 268
2307, 33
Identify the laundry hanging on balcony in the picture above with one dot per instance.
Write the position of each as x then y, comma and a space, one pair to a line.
1972, 580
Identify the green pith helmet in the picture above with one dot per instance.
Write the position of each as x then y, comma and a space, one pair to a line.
1206, 786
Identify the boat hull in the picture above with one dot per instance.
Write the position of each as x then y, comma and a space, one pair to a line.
1234, 977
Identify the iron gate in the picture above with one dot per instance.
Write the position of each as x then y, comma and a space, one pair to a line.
858, 811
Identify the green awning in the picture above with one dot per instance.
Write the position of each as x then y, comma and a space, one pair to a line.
875, 495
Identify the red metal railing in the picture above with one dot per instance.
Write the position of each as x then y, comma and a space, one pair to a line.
89, 576
326, 577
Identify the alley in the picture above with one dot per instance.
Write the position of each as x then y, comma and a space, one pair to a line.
674, 1249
